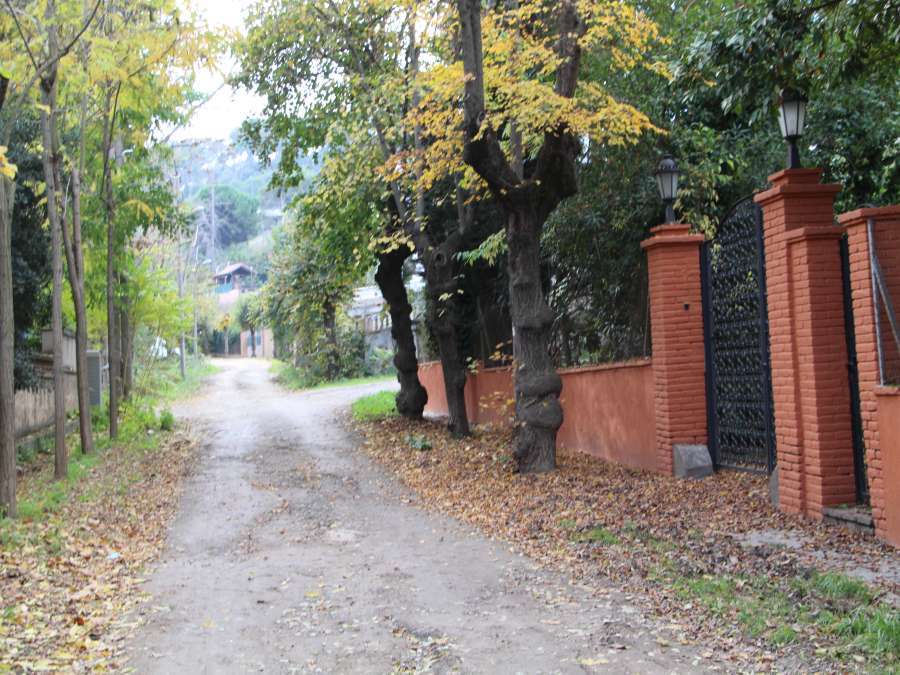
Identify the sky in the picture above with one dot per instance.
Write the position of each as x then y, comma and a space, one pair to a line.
225, 111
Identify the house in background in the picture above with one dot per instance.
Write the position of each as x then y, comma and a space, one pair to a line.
369, 311
231, 281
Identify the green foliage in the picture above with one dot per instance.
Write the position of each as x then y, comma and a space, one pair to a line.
375, 406
248, 311
31, 243
418, 442
311, 368
719, 112
237, 213
166, 420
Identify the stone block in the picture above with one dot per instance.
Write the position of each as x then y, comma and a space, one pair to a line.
692, 461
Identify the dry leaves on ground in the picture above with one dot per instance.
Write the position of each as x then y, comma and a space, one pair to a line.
69, 579
646, 532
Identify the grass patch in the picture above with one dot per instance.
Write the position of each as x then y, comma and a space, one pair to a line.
296, 380
418, 442
833, 606
164, 384
838, 587
375, 406
596, 535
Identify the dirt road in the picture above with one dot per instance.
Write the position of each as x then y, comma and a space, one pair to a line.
294, 553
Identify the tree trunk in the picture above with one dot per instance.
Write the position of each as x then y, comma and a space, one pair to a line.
181, 365
332, 368
126, 353
412, 397
440, 274
252, 342
112, 340
51, 160
75, 262
114, 358
7, 332
537, 384
527, 201
439, 266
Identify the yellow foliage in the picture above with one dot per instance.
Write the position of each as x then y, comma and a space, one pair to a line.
520, 66
6, 167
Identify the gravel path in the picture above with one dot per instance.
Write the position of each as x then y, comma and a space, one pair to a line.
292, 552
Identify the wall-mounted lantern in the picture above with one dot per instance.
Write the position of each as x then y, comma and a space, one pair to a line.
791, 119
667, 181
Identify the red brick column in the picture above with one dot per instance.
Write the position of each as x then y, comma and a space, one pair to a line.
676, 321
810, 384
887, 246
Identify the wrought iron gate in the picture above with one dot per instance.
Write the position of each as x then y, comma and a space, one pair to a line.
736, 332
859, 445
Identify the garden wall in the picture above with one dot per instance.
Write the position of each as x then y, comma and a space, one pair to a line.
34, 409
889, 450
608, 409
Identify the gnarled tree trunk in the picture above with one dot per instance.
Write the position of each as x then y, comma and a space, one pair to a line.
537, 385
328, 319
527, 197
440, 273
412, 397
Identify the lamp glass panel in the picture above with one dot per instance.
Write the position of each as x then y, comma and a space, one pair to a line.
668, 184
793, 114
781, 121
801, 117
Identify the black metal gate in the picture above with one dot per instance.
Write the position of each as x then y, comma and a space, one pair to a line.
736, 333
859, 446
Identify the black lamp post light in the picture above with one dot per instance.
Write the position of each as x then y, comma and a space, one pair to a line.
667, 181
791, 119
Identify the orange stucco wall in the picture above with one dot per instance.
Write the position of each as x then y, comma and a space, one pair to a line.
608, 410
889, 433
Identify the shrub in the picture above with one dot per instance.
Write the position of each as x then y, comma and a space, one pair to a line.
166, 420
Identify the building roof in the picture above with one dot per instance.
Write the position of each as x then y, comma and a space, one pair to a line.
235, 268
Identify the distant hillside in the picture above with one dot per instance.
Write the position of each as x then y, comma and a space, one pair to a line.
229, 177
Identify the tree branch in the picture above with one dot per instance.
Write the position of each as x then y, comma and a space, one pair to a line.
482, 147
15, 18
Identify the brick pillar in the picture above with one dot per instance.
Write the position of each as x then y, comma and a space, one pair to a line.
887, 246
676, 322
810, 384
